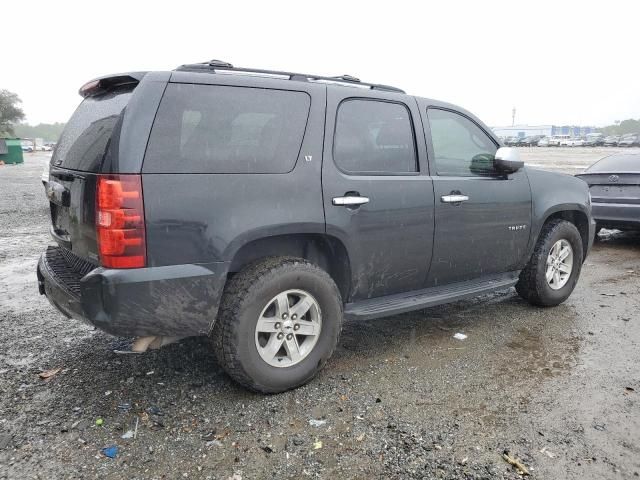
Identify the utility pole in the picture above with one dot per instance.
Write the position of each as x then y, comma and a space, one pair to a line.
513, 116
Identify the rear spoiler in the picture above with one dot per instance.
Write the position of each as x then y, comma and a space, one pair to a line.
108, 82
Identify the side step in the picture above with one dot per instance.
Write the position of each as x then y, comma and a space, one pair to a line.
428, 297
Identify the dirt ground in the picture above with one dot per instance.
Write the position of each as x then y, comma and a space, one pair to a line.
401, 398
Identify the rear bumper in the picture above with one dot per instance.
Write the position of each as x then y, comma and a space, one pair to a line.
616, 214
177, 300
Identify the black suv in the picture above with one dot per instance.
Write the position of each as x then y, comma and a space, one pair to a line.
261, 208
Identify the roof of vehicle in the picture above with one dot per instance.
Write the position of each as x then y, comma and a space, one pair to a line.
220, 67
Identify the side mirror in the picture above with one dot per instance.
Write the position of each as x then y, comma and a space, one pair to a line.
507, 160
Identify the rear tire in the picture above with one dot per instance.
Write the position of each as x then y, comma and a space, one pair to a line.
266, 295
533, 284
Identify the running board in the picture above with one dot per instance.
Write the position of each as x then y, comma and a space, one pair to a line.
428, 297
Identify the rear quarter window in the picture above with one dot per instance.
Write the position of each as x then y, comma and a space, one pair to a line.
223, 129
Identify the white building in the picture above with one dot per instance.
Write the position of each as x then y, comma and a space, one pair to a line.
522, 131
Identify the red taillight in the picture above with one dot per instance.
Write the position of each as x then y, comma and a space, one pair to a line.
120, 221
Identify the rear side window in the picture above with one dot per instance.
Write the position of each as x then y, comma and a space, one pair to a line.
374, 137
221, 129
86, 137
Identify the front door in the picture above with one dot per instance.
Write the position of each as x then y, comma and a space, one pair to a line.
482, 217
378, 197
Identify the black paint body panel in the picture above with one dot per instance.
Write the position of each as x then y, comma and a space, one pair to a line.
404, 240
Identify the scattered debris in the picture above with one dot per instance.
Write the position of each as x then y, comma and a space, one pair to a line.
151, 372
267, 449
463, 461
108, 392
317, 445
317, 423
207, 437
80, 425
135, 431
608, 294
124, 407
629, 389
378, 400
128, 434
46, 375
213, 443
599, 427
520, 468
110, 452
99, 422
460, 336
153, 410
360, 437
548, 453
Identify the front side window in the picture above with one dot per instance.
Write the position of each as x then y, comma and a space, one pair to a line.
461, 148
374, 137
223, 129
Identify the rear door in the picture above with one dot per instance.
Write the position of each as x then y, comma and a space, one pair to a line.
482, 218
378, 197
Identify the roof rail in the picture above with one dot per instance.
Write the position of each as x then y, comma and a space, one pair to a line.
219, 66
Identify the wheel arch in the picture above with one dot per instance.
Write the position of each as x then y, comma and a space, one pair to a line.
577, 218
325, 251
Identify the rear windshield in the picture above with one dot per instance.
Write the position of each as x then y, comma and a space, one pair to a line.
617, 163
222, 129
86, 137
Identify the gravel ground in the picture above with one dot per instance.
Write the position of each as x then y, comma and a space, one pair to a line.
401, 398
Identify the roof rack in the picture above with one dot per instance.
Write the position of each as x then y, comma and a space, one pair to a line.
219, 66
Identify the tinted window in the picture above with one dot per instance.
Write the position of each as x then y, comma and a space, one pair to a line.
375, 137
617, 163
219, 129
84, 141
461, 148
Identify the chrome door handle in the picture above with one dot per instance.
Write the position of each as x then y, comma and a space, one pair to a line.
454, 198
349, 201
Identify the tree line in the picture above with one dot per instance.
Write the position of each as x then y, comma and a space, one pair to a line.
620, 128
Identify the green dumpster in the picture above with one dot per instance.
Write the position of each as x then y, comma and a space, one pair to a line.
11, 150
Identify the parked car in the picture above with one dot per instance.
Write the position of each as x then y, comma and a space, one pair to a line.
629, 140
261, 208
573, 142
512, 141
594, 140
27, 148
614, 185
611, 141
543, 142
556, 140
530, 141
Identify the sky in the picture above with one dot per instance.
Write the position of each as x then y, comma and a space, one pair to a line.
557, 62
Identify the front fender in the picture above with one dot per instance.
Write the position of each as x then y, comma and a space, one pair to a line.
554, 193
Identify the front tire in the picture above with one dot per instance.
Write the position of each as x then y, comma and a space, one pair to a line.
554, 268
279, 322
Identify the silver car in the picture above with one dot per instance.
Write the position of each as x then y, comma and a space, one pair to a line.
614, 185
